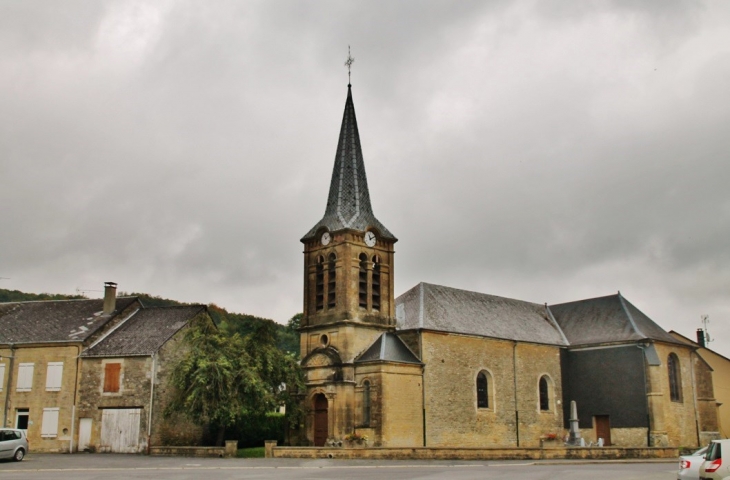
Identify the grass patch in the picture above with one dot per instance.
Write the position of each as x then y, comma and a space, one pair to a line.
255, 452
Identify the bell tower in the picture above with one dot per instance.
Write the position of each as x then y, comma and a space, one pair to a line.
348, 254
348, 290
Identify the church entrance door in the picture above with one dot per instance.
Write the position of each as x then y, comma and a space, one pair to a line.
603, 429
320, 420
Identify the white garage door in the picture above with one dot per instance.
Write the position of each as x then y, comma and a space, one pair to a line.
120, 430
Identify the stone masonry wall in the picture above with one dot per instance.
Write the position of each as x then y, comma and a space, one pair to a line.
680, 417
39, 397
452, 417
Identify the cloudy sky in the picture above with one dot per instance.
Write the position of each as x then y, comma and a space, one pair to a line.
540, 150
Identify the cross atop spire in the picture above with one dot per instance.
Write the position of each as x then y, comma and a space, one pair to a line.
348, 203
348, 63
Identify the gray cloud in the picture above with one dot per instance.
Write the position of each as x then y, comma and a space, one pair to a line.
538, 150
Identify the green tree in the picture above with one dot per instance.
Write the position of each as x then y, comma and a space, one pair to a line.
227, 380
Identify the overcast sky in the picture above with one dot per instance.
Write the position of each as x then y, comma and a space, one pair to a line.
539, 150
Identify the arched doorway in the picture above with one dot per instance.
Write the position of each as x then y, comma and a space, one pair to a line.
320, 420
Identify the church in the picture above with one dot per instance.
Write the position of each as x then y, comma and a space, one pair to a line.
443, 367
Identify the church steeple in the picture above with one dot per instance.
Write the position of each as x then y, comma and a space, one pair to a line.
348, 203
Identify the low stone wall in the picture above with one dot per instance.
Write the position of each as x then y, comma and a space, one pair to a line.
603, 453
228, 451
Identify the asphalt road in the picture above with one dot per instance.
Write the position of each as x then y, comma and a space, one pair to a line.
110, 466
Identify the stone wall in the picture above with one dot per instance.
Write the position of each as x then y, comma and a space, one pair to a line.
677, 418
39, 397
452, 417
397, 404
606, 453
136, 392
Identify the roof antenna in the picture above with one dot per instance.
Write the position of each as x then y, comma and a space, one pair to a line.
348, 64
705, 321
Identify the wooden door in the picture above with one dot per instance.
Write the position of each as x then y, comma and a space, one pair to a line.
603, 429
320, 420
84, 433
120, 430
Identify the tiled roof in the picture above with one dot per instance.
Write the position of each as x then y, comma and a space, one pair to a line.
606, 320
144, 332
434, 307
348, 203
389, 348
54, 320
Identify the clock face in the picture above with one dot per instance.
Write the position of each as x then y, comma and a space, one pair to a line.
326, 238
370, 239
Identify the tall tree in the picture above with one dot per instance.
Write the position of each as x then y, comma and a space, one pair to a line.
223, 380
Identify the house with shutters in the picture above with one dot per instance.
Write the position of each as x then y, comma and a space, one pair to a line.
124, 388
40, 347
92, 374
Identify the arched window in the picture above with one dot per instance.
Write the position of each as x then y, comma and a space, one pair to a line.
544, 388
319, 284
363, 280
331, 282
366, 403
376, 283
482, 390
675, 379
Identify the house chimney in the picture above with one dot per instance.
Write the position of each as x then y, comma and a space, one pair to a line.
110, 297
701, 337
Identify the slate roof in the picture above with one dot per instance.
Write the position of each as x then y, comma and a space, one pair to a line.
434, 307
54, 320
388, 348
144, 332
348, 203
607, 319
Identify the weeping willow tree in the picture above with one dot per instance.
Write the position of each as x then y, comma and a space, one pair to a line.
224, 381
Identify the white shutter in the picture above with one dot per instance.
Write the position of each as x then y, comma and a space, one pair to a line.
25, 377
2, 376
49, 425
54, 376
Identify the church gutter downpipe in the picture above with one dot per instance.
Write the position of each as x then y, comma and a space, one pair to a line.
643, 346
423, 384
73, 406
692, 353
517, 412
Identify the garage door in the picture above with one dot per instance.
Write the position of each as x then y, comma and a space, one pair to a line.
120, 430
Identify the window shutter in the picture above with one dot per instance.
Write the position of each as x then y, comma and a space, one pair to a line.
25, 377
49, 425
2, 376
111, 377
54, 376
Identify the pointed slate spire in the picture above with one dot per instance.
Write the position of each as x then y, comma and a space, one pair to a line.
348, 203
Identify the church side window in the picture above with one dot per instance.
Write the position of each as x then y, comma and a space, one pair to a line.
319, 284
482, 390
363, 281
332, 282
544, 388
366, 403
675, 380
376, 283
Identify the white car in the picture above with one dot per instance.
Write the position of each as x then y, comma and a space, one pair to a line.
715, 467
689, 465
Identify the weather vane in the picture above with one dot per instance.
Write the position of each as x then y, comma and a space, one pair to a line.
348, 64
